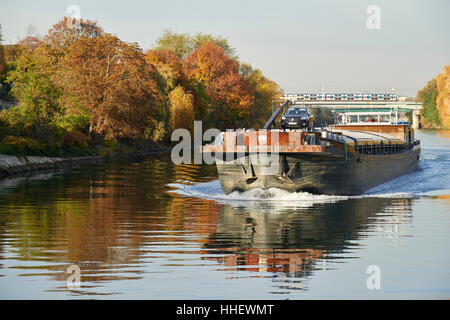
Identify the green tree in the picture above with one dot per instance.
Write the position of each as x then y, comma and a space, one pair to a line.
179, 43
322, 117
2, 56
200, 38
33, 86
427, 96
3, 91
183, 44
32, 125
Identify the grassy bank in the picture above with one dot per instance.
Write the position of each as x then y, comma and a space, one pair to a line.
18, 163
25, 146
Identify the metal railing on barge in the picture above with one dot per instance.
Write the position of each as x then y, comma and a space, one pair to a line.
385, 149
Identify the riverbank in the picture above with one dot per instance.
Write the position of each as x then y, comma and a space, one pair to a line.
431, 125
19, 164
11, 165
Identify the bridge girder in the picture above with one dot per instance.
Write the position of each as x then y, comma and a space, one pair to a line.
404, 106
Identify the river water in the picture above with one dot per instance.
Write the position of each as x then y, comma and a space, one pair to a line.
150, 229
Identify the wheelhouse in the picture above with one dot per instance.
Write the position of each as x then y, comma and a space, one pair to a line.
344, 118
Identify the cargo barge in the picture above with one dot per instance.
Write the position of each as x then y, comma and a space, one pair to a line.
342, 159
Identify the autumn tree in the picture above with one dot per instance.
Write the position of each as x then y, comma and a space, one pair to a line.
113, 83
169, 75
68, 30
443, 97
2, 56
183, 44
427, 96
264, 92
30, 43
218, 75
200, 38
3, 70
181, 109
169, 67
178, 43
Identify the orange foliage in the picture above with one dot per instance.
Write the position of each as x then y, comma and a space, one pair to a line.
443, 98
30, 43
76, 138
79, 72
167, 58
210, 66
169, 67
114, 83
68, 30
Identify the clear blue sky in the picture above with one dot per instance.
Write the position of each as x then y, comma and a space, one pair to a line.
302, 45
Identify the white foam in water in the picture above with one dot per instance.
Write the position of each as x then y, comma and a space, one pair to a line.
432, 176
213, 191
271, 200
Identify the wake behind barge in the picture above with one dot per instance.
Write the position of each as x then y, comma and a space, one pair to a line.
345, 159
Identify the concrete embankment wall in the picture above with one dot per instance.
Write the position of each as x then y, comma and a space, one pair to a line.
10, 165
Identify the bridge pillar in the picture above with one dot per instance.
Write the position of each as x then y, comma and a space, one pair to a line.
416, 119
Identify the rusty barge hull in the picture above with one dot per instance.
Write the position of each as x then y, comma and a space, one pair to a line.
337, 165
320, 173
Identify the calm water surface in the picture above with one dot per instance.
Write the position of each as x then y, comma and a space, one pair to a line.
153, 230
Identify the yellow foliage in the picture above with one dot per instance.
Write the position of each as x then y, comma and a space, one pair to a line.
264, 91
443, 98
181, 109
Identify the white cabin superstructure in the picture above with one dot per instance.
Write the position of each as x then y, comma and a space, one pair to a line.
367, 118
